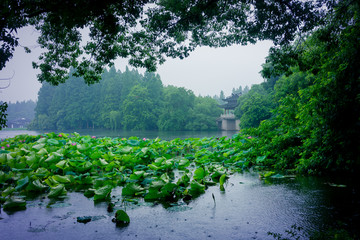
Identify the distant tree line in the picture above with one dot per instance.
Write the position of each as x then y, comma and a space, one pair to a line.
123, 100
20, 114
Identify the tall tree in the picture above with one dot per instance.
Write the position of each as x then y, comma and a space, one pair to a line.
316, 124
177, 105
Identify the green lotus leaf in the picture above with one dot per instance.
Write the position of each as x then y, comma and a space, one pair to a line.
42, 152
102, 193
222, 179
169, 189
133, 142
62, 164
137, 175
38, 146
103, 162
22, 183
158, 161
36, 185
3, 157
14, 204
196, 188
121, 217
82, 147
42, 172
165, 178
57, 191
183, 163
184, 181
157, 184
31, 160
125, 150
199, 174
52, 141
131, 189
89, 193
51, 182
8, 191
153, 194
52, 159
61, 179
96, 155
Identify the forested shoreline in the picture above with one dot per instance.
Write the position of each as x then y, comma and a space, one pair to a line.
127, 100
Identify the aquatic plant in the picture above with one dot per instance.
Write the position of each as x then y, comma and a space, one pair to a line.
152, 170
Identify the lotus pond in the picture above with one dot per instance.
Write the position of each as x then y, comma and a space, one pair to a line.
64, 187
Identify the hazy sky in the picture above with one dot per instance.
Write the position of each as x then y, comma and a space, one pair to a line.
206, 71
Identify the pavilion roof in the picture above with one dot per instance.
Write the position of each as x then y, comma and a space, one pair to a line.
231, 101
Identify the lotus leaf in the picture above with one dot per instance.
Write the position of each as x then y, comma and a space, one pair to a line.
61, 179
15, 204
131, 189
121, 217
57, 191
196, 188
22, 183
38, 146
36, 185
102, 193
199, 174
53, 142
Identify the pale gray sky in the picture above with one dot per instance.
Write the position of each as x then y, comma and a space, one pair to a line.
206, 71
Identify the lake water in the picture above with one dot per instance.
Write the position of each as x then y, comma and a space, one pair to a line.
248, 209
165, 135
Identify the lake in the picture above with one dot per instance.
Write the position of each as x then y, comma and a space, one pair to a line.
249, 208
165, 135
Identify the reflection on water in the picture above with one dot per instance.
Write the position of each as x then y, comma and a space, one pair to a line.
165, 135
248, 209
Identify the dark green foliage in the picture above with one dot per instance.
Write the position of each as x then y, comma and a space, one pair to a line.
254, 107
167, 172
3, 114
205, 111
177, 105
315, 126
146, 31
126, 100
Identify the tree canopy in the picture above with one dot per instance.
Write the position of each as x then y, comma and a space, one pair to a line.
127, 100
314, 125
146, 31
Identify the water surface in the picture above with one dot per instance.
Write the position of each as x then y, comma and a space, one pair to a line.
165, 135
248, 209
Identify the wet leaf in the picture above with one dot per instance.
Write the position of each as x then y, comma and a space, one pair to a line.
131, 189
102, 193
61, 179
196, 188
14, 204
22, 183
121, 217
36, 185
38, 146
53, 141
57, 191
199, 174
222, 181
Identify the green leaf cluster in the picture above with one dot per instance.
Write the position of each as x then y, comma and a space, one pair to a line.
315, 119
151, 170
